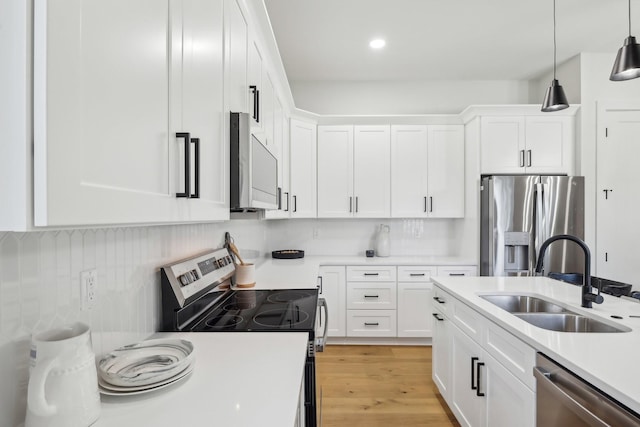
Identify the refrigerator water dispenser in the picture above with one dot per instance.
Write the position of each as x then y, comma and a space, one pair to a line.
516, 251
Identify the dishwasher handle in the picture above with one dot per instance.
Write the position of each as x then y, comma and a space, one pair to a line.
545, 379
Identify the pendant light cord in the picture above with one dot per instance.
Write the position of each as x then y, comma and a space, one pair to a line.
629, 18
554, 38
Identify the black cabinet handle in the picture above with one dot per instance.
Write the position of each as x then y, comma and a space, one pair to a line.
456, 274
320, 277
478, 392
371, 274
356, 204
440, 319
196, 143
371, 324
295, 203
372, 296
528, 158
350, 204
279, 197
187, 160
416, 274
425, 203
521, 158
473, 376
430, 204
287, 197
439, 300
256, 103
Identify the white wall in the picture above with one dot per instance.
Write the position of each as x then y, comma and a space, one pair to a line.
568, 74
411, 97
40, 287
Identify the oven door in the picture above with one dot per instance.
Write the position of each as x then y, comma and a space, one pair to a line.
322, 324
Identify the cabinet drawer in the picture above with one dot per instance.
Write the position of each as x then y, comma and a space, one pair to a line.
442, 301
513, 354
372, 296
468, 320
371, 323
458, 270
416, 273
371, 274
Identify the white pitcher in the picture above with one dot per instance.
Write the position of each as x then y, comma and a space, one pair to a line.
383, 241
63, 383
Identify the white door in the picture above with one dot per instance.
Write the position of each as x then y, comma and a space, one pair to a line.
266, 114
549, 144
236, 34
103, 153
303, 169
333, 290
467, 402
409, 198
442, 363
335, 172
445, 170
509, 402
502, 144
254, 76
372, 171
198, 107
283, 168
618, 195
415, 309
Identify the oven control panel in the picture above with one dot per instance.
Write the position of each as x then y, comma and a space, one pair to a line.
203, 272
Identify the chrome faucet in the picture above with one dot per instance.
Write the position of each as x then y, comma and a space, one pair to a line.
587, 296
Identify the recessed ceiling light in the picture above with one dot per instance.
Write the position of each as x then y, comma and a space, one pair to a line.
377, 43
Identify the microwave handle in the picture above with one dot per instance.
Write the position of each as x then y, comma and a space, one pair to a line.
320, 342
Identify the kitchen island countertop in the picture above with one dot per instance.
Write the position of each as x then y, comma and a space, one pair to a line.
606, 360
240, 379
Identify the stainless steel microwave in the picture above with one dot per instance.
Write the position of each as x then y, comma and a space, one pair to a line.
254, 170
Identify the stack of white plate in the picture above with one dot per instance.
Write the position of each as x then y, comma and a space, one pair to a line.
145, 366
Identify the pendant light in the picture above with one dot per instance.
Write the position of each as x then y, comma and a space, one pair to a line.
554, 99
627, 65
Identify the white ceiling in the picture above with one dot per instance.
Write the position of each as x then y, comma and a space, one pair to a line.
327, 40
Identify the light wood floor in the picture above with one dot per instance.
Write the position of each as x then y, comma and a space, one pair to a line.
379, 386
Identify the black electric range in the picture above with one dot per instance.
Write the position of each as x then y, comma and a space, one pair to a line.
197, 297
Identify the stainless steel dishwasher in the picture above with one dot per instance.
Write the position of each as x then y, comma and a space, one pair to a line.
564, 399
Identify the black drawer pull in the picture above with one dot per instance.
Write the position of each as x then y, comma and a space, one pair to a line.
372, 296
416, 274
371, 324
439, 300
440, 319
187, 163
456, 274
473, 376
371, 274
478, 392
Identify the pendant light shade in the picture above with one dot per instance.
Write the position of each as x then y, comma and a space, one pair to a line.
554, 99
627, 65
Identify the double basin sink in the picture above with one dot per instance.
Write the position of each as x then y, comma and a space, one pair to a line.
548, 315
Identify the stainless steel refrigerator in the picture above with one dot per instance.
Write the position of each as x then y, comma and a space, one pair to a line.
518, 213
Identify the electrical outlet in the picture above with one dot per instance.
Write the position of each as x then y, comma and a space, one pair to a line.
89, 288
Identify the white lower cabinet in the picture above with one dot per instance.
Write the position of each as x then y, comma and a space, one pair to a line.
484, 373
371, 301
371, 323
333, 290
415, 301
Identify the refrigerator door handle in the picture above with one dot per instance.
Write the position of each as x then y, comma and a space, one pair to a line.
540, 223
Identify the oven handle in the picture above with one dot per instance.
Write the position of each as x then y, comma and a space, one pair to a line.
320, 342
545, 380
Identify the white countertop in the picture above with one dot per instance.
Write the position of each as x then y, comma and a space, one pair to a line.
609, 361
240, 379
302, 273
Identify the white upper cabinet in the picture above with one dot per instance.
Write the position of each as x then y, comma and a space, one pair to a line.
527, 144
335, 171
281, 151
427, 171
354, 171
303, 169
266, 113
109, 108
254, 74
236, 44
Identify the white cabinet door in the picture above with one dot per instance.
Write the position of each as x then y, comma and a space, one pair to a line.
266, 114
303, 169
467, 400
502, 144
105, 151
415, 308
372, 171
236, 36
335, 171
445, 170
409, 164
280, 150
198, 107
254, 75
549, 141
333, 290
441, 345
508, 401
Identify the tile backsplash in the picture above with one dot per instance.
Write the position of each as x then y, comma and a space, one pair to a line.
40, 287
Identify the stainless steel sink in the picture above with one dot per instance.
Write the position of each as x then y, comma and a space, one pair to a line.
568, 322
548, 315
524, 304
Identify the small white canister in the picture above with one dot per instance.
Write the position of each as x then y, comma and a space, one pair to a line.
245, 275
